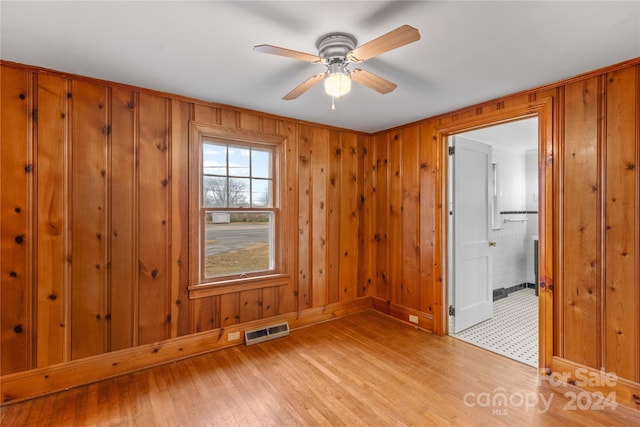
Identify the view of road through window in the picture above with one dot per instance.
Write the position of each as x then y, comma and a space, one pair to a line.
238, 245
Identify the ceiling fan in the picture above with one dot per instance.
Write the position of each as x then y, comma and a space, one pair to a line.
336, 51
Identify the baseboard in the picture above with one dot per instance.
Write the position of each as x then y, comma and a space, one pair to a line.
625, 392
504, 292
51, 379
425, 320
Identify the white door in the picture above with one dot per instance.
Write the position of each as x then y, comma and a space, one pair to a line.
472, 260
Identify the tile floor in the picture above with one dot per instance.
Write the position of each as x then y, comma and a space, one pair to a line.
513, 330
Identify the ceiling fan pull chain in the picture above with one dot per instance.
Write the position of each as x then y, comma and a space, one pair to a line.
333, 102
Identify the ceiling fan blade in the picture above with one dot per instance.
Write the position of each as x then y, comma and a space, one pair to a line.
372, 81
304, 86
275, 50
393, 39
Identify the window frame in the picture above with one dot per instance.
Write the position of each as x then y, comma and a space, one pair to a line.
200, 285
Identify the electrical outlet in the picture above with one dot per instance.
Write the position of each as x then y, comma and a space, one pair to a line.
413, 319
233, 336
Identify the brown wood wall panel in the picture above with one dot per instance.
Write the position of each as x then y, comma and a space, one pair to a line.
395, 230
269, 302
16, 162
181, 113
153, 219
622, 291
428, 217
229, 309
206, 114
89, 166
127, 174
287, 295
123, 275
305, 144
52, 219
349, 217
581, 223
381, 143
206, 313
319, 208
250, 305
410, 211
366, 217
333, 217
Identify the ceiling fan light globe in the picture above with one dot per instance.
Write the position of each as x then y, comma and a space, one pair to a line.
337, 84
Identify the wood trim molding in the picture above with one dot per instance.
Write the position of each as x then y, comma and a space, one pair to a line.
400, 312
41, 381
547, 145
238, 285
565, 371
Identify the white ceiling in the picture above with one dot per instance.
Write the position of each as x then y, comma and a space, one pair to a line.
469, 52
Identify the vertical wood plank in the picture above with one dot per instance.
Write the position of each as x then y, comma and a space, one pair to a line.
250, 305
52, 219
333, 217
124, 191
366, 216
250, 121
410, 211
269, 125
206, 114
395, 216
305, 142
15, 218
269, 302
621, 186
428, 216
349, 218
205, 312
579, 274
319, 207
180, 116
229, 118
288, 203
229, 309
381, 143
153, 216
88, 218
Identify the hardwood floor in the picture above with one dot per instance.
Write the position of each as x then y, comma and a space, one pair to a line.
364, 369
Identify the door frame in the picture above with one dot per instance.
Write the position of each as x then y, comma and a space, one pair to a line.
547, 211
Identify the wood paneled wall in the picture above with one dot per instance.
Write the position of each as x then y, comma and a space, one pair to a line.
594, 216
95, 220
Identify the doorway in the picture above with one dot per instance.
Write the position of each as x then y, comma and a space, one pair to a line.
493, 238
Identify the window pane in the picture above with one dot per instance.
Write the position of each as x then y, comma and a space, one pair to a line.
261, 193
239, 161
215, 193
237, 243
261, 163
214, 159
239, 192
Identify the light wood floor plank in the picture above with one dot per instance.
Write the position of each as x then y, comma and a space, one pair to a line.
364, 369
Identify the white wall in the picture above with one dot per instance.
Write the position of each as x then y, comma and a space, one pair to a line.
510, 252
531, 195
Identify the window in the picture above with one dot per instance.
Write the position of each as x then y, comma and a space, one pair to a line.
235, 228
237, 209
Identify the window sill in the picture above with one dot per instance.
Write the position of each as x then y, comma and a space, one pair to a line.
204, 290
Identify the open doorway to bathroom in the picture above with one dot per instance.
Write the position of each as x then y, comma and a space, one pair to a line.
493, 238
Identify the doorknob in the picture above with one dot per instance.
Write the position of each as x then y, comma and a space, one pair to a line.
492, 243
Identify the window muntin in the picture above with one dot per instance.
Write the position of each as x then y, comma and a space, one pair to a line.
238, 218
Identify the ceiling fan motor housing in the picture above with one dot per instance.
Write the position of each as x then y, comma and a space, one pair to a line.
333, 47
